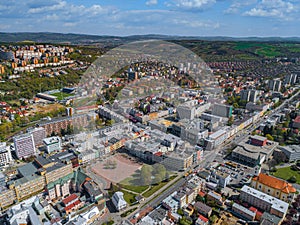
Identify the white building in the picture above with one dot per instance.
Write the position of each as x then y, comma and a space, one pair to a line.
24, 146
118, 201
5, 154
87, 218
52, 144
265, 202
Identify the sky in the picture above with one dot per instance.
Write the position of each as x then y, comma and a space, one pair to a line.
236, 18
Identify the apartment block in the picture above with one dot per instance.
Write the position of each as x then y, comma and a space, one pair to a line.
264, 201
24, 146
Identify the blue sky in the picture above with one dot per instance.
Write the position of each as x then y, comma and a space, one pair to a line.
236, 18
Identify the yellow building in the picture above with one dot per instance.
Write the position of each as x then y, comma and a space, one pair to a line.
57, 171
26, 187
7, 198
2, 70
274, 186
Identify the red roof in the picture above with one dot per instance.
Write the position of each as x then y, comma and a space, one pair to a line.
70, 198
201, 193
203, 218
71, 206
259, 213
253, 209
297, 119
158, 153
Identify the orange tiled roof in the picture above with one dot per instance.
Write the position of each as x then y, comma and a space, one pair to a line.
275, 183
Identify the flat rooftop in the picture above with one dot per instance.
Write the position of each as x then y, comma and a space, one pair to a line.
276, 203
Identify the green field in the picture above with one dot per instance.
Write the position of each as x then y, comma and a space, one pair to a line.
138, 189
248, 45
286, 172
61, 95
268, 51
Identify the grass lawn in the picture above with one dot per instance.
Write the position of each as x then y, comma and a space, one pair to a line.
128, 197
61, 95
286, 172
156, 187
138, 189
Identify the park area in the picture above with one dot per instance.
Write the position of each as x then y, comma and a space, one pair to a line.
287, 173
131, 177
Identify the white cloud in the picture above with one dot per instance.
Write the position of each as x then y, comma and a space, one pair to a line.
197, 24
151, 2
237, 5
193, 5
69, 24
56, 6
272, 8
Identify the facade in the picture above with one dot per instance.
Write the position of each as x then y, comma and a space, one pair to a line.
52, 144
292, 152
26, 187
186, 111
5, 154
291, 79
222, 110
118, 201
38, 134
71, 203
216, 197
296, 122
249, 95
243, 212
57, 171
264, 201
269, 219
56, 125
203, 209
24, 146
7, 198
275, 84
273, 186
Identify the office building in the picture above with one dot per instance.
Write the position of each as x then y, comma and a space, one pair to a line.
292, 152
52, 144
24, 146
222, 110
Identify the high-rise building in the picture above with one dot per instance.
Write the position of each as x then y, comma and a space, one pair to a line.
24, 145
222, 110
38, 133
249, 95
290, 79
132, 75
5, 154
274, 85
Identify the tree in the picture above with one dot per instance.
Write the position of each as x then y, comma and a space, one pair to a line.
146, 175
159, 172
292, 179
230, 121
269, 137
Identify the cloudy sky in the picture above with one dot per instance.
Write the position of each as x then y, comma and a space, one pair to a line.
172, 17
